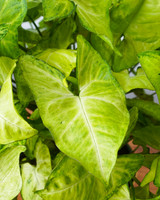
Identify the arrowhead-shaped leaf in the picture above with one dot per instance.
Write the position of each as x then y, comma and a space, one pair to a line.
10, 178
12, 126
89, 127
150, 62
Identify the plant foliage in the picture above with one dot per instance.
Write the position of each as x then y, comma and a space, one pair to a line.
67, 70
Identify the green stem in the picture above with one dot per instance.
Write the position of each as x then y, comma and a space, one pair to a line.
72, 80
35, 25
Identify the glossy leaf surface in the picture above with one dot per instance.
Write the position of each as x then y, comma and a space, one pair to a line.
102, 128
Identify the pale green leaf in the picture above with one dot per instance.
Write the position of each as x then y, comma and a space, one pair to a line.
144, 30
85, 127
129, 83
62, 59
57, 9
125, 168
69, 180
122, 194
10, 178
148, 135
35, 177
94, 16
12, 126
6, 64
150, 62
147, 107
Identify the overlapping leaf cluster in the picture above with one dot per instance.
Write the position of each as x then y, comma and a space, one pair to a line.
67, 68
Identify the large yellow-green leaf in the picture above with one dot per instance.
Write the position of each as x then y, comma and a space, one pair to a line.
57, 9
10, 178
12, 126
69, 180
35, 177
150, 62
89, 127
62, 59
128, 83
139, 22
6, 64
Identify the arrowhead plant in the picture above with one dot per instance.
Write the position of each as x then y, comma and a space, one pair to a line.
78, 81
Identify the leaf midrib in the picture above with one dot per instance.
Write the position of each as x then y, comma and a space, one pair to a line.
91, 133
